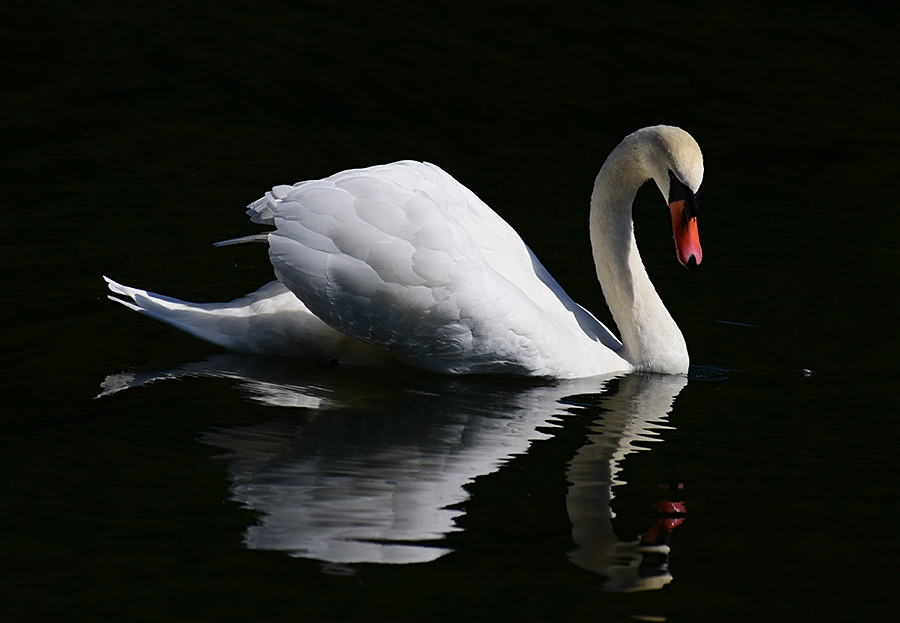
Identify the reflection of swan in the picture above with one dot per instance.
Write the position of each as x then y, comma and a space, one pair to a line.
401, 261
268, 381
636, 412
377, 472
382, 485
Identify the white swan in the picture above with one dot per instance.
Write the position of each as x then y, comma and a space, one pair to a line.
401, 262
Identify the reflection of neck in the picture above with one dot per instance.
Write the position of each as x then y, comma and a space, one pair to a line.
636, 412
651, 339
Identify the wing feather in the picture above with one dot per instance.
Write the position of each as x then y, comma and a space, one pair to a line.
404, 257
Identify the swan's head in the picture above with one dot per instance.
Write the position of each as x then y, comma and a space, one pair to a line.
676, 165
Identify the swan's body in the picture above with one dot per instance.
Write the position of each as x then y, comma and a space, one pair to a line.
401, 262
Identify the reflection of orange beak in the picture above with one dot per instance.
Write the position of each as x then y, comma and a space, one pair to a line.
687, 239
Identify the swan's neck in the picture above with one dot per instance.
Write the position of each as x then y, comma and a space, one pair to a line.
651, 341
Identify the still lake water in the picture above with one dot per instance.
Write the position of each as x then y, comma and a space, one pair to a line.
242, 488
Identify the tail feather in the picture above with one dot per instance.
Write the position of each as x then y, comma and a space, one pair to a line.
270, 321
252, 324
252, 238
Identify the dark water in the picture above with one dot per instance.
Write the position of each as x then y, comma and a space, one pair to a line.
244, 488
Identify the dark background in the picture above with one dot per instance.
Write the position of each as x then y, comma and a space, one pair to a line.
133, 134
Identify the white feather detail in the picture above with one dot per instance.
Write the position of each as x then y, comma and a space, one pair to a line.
402, 262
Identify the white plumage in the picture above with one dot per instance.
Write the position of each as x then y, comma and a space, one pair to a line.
402, 262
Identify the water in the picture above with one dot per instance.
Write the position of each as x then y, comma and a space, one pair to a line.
247, 488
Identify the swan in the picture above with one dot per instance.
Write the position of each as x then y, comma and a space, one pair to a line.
402, 263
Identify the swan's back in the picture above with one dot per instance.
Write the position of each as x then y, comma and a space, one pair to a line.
404, 257
407, 200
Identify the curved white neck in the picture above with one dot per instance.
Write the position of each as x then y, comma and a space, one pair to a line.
651, 340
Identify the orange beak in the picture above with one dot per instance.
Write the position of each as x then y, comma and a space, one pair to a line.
687, 239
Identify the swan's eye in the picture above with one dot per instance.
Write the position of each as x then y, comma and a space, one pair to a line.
679, 191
